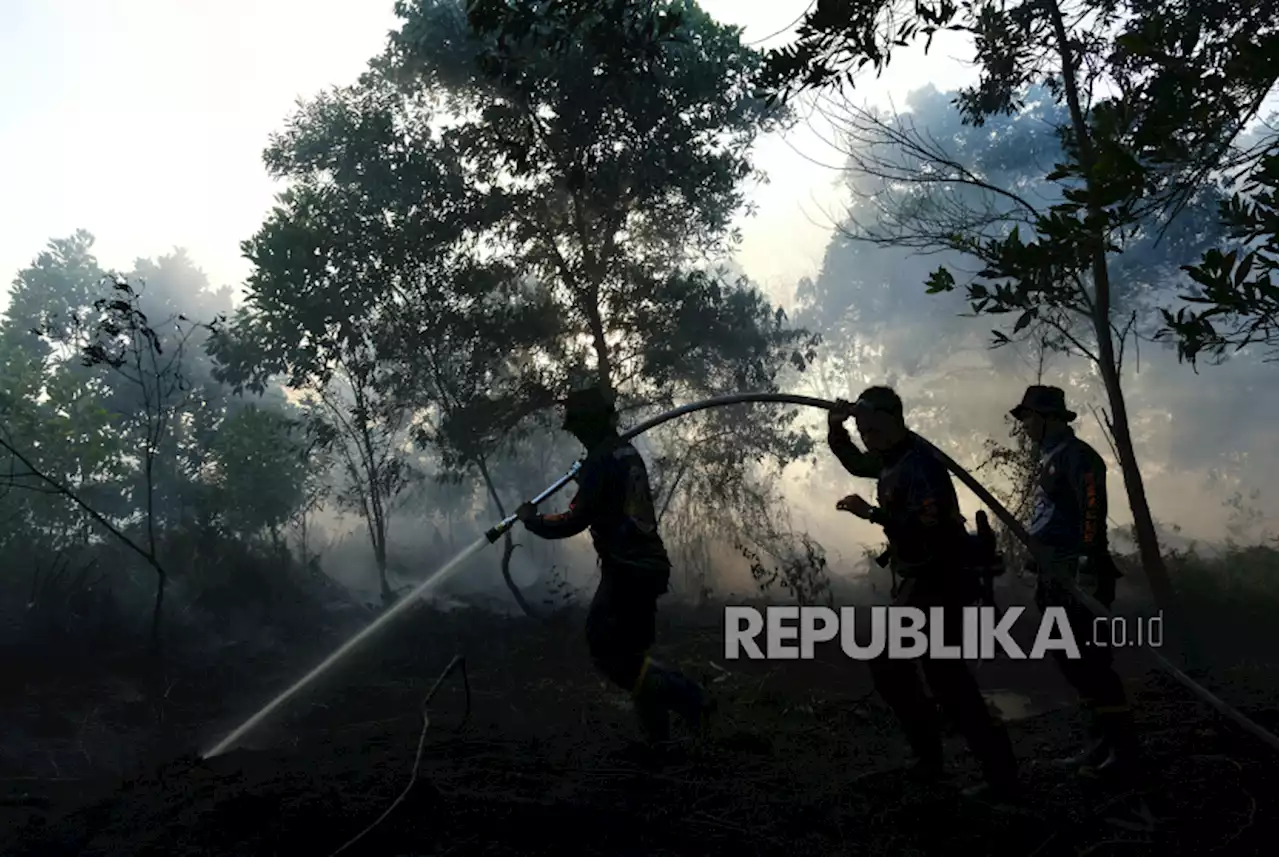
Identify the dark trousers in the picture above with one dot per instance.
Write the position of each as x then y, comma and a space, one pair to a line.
1093, 674
621, 622
953, 686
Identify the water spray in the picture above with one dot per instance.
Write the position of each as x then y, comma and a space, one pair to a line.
498, 530
346, 648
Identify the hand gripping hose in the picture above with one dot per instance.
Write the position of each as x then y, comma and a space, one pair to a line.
496, 531
1037, 550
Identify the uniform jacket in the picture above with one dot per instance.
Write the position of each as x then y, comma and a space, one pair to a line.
614, 501
917, 501
1069, 511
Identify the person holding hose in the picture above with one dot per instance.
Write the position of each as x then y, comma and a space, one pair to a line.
918, 509
614, 501
1069, 518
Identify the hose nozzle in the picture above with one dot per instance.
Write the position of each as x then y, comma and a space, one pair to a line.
500, 529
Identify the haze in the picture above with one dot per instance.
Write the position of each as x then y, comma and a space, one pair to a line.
144, 122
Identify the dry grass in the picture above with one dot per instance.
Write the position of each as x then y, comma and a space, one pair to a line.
803, 760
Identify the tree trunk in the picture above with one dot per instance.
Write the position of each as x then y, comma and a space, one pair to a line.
380, 558
379, 537
158, 610
1144, 526
604, 362
302, 538
508, 546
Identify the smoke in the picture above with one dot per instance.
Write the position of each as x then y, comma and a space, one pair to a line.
1206, 440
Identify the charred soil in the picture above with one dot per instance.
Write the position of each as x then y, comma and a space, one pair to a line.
528, 752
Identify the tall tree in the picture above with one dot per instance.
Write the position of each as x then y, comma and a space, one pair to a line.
59, 295
122, 342
367, 274
616, 192
51, 406
497, 225
110, 419
332, 362
1154, 92
259, 465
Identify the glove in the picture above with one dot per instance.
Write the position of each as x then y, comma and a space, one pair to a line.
526, 512
836, 417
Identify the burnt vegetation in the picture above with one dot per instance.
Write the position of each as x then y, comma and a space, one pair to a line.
200, 496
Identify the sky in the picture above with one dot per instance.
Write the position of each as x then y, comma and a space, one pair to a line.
144, 121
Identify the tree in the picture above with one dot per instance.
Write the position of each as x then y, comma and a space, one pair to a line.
501, 225
111, 419
57, 293
1233, 300
56, 433
1155, 94
366, 269
347, 401
626, 37
53, 407
121, 339
173, 287
260, 463
150, 359
453, 375
876, 328
909, 194
615, 192
58, 287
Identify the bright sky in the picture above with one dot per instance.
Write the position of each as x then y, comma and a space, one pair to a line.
143, 121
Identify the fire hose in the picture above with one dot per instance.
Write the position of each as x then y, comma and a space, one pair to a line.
498, 530
1037, 551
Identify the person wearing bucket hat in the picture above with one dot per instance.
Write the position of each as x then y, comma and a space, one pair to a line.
1069, 517
920, 514
615, 503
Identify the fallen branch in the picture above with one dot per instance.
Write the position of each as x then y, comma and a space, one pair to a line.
458, 662
56, 487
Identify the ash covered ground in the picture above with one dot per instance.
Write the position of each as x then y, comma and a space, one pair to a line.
100, 758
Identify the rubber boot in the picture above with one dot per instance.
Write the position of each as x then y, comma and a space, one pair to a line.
677, 693
999, 768
650, 709
1122, 753
655, 724
927, 760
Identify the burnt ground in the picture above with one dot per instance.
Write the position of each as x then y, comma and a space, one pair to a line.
99, 759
